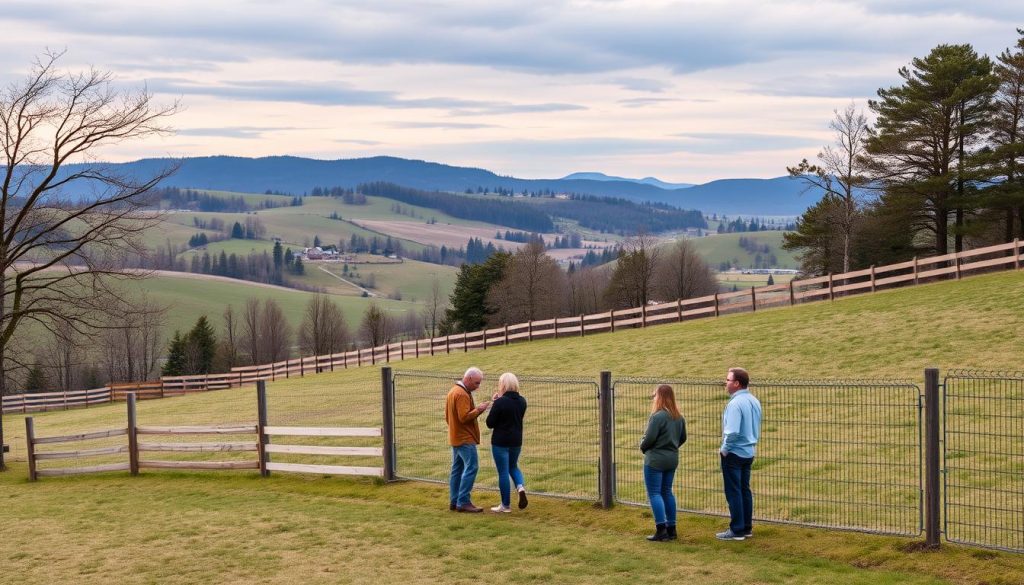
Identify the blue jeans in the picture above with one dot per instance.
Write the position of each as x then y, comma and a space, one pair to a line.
506, 459
736, 477
659, 494
463, 474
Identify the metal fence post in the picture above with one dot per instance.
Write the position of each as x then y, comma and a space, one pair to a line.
931, 457
30, 447
388, 428
606, 471
262, 440
133, 436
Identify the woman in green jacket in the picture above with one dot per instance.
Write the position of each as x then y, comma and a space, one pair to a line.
666, 431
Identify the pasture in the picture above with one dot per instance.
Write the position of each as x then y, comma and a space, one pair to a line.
718, 248
309, 529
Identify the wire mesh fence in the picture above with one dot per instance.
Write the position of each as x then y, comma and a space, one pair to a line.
837, 454
561, 437
983, 458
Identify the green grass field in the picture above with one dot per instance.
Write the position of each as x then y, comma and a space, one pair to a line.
718, 248
311, 529
188, 298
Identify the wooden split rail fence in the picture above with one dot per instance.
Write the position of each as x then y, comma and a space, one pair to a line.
139, 452
828, 287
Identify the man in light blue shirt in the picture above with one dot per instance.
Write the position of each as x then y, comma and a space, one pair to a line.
741, 427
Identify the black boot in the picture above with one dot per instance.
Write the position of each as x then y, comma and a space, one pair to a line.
671, 532
660, 535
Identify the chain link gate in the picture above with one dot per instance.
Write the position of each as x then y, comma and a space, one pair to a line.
983, 458
561, 445
840, 454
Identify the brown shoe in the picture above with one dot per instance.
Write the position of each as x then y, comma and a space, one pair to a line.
468, 508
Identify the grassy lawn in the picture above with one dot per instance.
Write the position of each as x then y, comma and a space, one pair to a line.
287, 529
413, 279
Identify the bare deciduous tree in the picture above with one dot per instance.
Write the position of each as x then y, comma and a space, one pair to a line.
66, 229
376, 326
632, 282
250, 342
275, 333
228, 350
323, 330
585, 290
683, 274
433, 311
841, 174
531, 287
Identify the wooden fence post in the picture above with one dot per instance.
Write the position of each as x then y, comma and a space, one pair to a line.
831, 290
485, 338
872, 278
611, 320
643, 315
956, 260
529, 331
302, 367
133, 436
448, 344
556, 327
932, 478
582, 330
716, 304
916, 277
792, 294
506, 334
753, 300
679, 310
387, 352
1016, 253
388, 427
30, 446
262, 439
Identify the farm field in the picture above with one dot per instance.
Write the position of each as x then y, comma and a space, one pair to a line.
189, 297
728, 279
411, 278
306, 525
718, 248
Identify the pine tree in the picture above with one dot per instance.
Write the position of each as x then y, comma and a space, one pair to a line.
36, 381
201, 345
175, 364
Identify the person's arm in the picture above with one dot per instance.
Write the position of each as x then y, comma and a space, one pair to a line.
732, 425
466, 412
492, 417
650, 437
682, 435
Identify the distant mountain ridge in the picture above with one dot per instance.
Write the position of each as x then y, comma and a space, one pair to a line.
781, 196
645, 181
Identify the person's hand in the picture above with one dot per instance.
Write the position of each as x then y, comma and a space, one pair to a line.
483, 406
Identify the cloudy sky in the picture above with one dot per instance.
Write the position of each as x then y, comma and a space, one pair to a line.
685, 91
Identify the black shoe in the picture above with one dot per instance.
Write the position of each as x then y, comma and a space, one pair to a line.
660, 535
523, 502
451, 506
671, 530
468, 508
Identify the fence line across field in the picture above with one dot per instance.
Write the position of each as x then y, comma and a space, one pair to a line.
868, 455
913, 272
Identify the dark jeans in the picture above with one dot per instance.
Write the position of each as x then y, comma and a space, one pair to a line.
736, 478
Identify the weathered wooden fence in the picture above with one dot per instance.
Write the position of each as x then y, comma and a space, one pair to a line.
828, 287
139, 448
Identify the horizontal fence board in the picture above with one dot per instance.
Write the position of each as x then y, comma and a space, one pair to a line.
197, 430
198, 447
81, 436
80, 453
323, 431
325, 469
199, 464
986, 263
82, 470
318, 450
894, 279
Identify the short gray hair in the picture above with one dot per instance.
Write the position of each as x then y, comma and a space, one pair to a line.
473, 372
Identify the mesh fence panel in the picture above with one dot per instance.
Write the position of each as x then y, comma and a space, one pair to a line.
844, 455
561, 440
983, 459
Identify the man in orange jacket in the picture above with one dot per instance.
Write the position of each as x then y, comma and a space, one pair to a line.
463, 435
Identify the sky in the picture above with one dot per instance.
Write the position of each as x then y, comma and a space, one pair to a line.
687, 91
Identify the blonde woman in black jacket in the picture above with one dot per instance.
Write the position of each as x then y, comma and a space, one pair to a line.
506, 418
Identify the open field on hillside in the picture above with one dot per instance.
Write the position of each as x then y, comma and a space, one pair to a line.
187, 298
410, 278
728, 279
718, 248
889, 334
